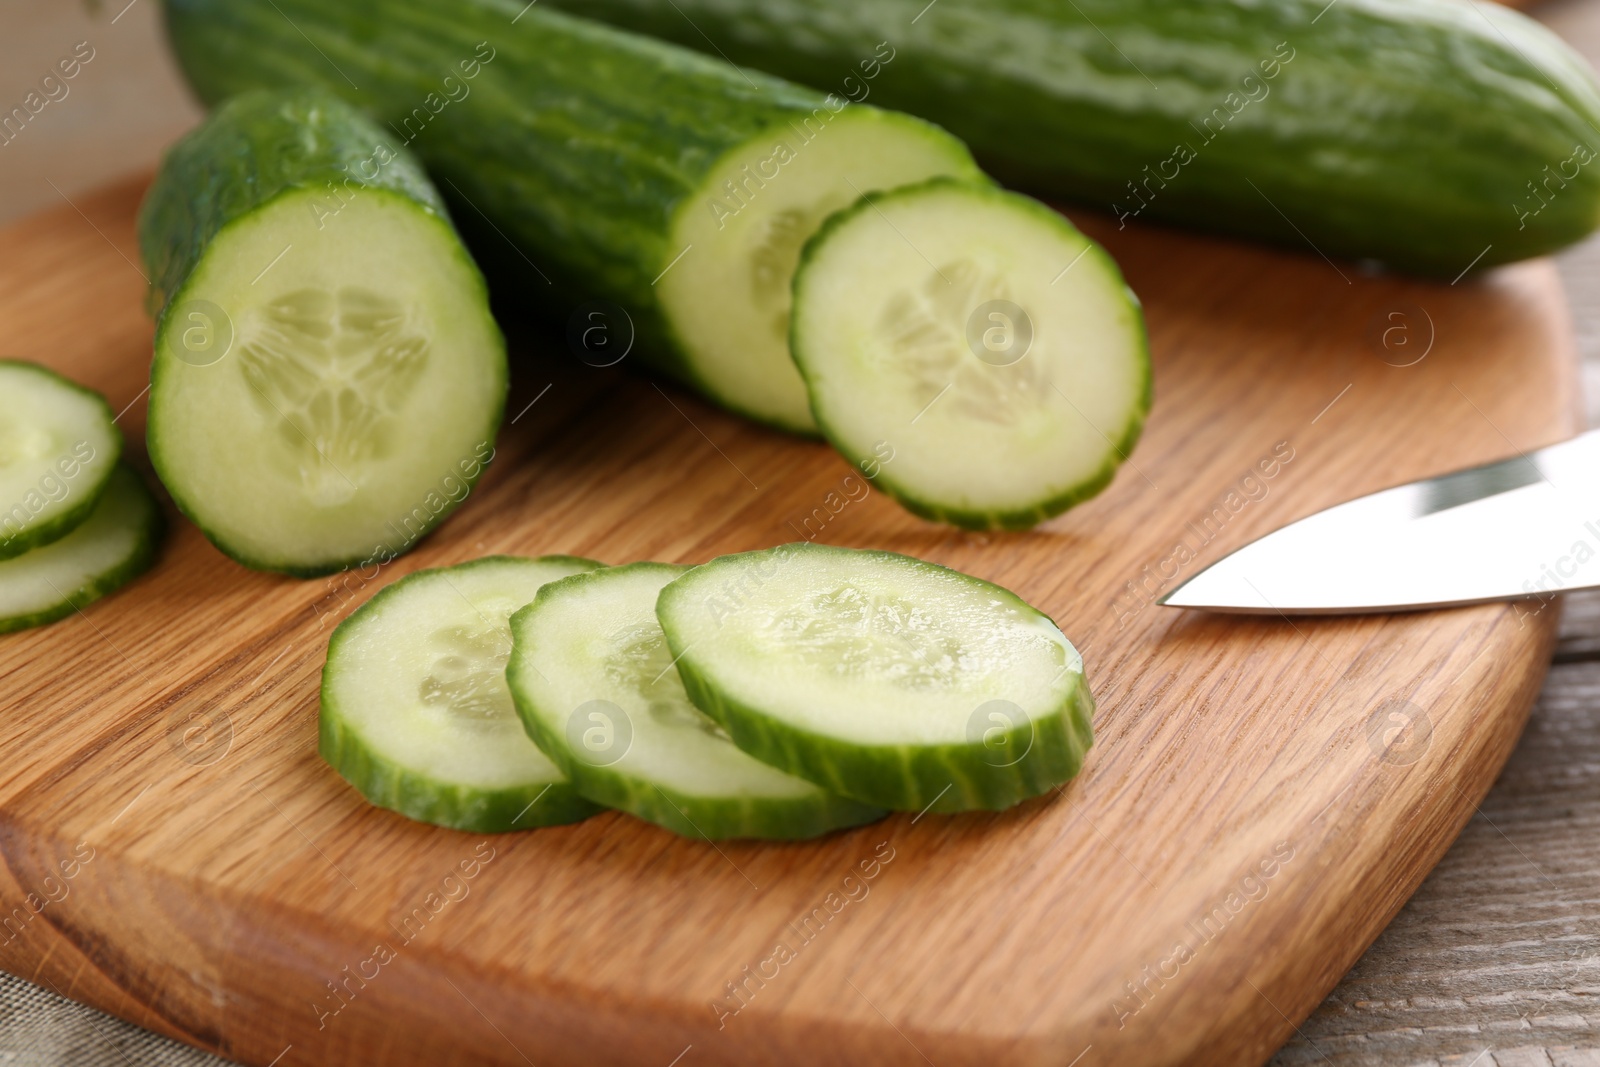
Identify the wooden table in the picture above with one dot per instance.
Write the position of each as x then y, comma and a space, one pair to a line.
1497, 958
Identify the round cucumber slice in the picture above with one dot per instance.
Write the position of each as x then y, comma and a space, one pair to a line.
882, 677
728, 298
595, 686
118, 542
415, 711
985, 340
326, 389
58, 449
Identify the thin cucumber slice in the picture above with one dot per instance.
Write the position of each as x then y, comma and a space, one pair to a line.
595, 686
980, 336
118, 542
58, 449
328, 381
729, 299
881, 677
415, 711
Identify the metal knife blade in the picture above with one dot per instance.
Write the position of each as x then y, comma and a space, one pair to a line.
1526, 527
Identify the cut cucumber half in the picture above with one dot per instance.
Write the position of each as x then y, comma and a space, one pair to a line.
595, 686
729, 298
327, 381
881, 677
976, 333
118, 542
415, 711
58, 449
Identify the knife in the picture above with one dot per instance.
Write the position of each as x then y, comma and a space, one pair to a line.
1522, 528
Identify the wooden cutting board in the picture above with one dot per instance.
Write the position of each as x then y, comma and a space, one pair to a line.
1262, 797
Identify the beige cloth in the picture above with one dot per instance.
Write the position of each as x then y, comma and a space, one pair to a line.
40, 1029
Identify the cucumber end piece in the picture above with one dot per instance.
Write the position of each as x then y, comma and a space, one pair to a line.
326, 391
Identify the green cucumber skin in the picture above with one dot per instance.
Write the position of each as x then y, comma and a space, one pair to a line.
251, 151
67, 521
1025, 519
425, 799
236, 163
579, 144
136, 565
944, 778
701, 818
1401, 130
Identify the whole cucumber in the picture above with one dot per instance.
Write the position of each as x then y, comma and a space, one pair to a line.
1427, 134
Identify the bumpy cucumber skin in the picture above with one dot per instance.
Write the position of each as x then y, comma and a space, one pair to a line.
258, 147
88, 495
698, 817
144, 558
425, 799
919, 505
1401, 130
252, 150
939, 778
576, 147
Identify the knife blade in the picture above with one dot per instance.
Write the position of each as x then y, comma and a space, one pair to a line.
1527, 527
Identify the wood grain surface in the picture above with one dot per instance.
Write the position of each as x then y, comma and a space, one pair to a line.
1496, 961
1248, 799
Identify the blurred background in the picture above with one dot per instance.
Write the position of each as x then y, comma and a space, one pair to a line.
1494, 963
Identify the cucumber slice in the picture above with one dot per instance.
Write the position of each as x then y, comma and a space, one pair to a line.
595, 686
415, 712
881, 677
990, 345
730, 304
117, 543
328, 380
58, 449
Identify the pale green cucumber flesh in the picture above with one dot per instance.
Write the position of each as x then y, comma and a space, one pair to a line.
728, 297
415, 711
58, 448
119, 541
982, 342
881, 677
596, 688
327, 381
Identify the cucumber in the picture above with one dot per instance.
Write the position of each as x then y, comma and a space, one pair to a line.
327, 380
605, 166
59, 446
118, 542
1422, 133
595, 686
415, 712
992, 347
881, 677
